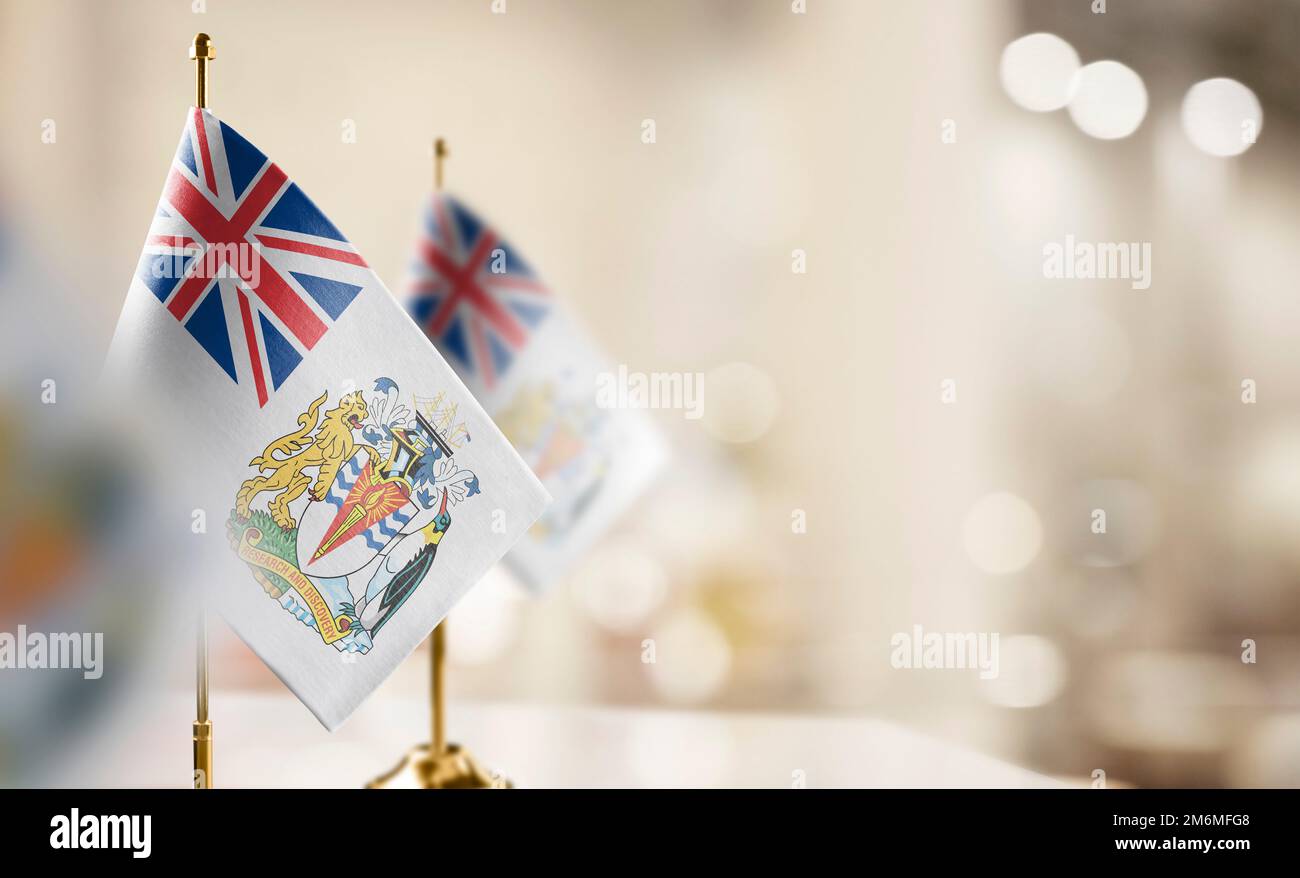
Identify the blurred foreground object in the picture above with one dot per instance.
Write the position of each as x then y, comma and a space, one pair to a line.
75, 534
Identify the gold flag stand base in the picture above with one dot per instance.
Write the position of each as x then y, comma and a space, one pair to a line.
440, 765
452, 769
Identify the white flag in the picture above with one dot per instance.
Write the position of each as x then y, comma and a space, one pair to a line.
353, 480
537, 373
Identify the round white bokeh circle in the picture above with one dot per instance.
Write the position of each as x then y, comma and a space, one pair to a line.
1109, 100
1221, 117
1038, 71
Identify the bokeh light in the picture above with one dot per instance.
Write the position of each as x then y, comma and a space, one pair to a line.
619, 586
1002, 533
1031, 672
1110, 522
692, 658
1221, 116
1038, 71
1109, 100
740, 402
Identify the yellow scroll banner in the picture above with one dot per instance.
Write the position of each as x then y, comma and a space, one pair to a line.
330, 629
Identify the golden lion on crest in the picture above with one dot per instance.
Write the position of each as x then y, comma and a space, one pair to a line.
288, 458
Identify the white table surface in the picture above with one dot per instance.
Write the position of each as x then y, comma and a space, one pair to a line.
270, 740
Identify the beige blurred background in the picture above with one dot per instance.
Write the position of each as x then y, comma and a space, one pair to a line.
822, 132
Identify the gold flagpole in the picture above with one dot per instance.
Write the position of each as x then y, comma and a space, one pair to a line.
439, 765
438, 641
201, 52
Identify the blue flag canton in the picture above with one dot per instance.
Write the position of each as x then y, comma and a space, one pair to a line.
243, 259
475, 297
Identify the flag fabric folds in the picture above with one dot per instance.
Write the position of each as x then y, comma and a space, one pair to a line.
535, 371
350, 477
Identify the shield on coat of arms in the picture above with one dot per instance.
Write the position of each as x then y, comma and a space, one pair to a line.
360, 515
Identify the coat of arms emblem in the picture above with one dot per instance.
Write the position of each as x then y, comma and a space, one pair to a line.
559, 437
341, 530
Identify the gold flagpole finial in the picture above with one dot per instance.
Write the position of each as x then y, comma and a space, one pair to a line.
201, 52
439, 154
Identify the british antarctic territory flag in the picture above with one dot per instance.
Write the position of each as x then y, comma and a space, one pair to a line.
536, 372
354, 485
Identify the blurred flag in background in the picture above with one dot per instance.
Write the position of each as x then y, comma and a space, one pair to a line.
535, 371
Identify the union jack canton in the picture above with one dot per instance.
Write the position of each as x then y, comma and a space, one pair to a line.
243, 259
473, 295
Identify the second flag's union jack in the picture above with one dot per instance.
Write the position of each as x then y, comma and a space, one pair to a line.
243, 260
473, 295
